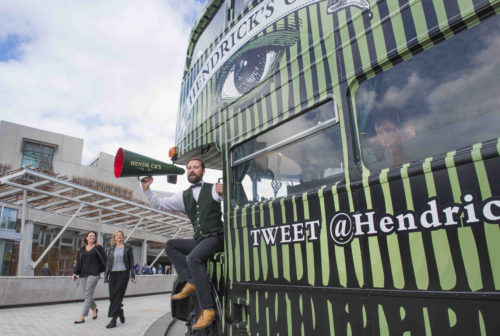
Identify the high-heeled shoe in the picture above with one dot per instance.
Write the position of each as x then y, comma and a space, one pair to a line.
78, 322
96, 311
122, 316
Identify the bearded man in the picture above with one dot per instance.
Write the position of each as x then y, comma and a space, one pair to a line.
201, 202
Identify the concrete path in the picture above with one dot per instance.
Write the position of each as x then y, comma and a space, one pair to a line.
143, 315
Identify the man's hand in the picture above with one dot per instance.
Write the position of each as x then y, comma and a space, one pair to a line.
146, 182
219, 188
132, 279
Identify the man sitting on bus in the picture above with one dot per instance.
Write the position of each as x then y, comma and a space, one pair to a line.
201, 202
390, 135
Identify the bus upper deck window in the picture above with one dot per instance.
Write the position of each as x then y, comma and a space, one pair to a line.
240, 5
300, 155
210, 33
442, 99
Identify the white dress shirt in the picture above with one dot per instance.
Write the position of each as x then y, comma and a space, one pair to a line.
176, 202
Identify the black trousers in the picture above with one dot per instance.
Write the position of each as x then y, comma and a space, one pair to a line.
189, 258
118, 282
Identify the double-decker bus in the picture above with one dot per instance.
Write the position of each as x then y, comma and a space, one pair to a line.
359, 146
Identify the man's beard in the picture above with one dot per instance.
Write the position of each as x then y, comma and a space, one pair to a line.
195, 178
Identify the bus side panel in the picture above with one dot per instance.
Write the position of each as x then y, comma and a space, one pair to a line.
441, 279
402, 269
299, 311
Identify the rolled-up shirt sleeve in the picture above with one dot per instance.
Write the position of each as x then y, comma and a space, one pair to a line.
174, 202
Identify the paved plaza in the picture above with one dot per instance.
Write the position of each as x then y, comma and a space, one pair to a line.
144, 316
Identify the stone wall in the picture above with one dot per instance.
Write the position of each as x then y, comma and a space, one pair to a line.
26, 290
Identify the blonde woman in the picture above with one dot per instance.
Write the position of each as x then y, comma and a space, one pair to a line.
91, 261
119, 269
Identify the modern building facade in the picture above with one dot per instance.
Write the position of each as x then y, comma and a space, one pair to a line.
34, 213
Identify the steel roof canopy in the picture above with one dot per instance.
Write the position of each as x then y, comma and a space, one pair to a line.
55, 193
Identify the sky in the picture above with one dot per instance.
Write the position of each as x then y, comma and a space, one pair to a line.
108, 72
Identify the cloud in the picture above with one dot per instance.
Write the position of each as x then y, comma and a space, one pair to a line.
474, 89
398, 97
105, 71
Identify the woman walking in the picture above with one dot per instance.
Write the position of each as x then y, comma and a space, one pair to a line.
119, 269
91, 261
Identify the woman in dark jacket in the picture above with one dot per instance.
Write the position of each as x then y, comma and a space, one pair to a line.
91, 261
119, 268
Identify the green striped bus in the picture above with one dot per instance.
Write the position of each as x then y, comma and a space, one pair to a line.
359, 145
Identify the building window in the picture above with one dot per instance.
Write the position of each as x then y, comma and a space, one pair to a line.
37, 155
4, 169
8, 256
8, 218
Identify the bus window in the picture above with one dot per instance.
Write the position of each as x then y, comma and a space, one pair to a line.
240, 5
416, 109
210, 33
300, 155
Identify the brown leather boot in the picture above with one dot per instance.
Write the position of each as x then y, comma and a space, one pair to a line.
185, 292
206, 318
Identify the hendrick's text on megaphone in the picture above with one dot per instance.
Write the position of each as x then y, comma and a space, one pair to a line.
128, 163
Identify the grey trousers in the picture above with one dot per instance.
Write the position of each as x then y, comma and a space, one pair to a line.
89, 283
189, 258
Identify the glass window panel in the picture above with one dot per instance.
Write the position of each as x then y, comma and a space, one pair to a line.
210, 33
9, 218
48, 150
442, 99
4, 169
31, 147
44, 165
314, 118
29, 159
7, 262
37, 155
292, 167
240, 6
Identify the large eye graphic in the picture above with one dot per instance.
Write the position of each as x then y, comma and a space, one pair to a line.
247, 72
254, 63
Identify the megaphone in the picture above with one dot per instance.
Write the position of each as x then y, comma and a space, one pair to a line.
128, 164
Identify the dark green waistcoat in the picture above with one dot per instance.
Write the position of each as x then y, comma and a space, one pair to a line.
205, 215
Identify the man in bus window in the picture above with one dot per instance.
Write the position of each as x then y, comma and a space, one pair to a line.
201, 202
390, 135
